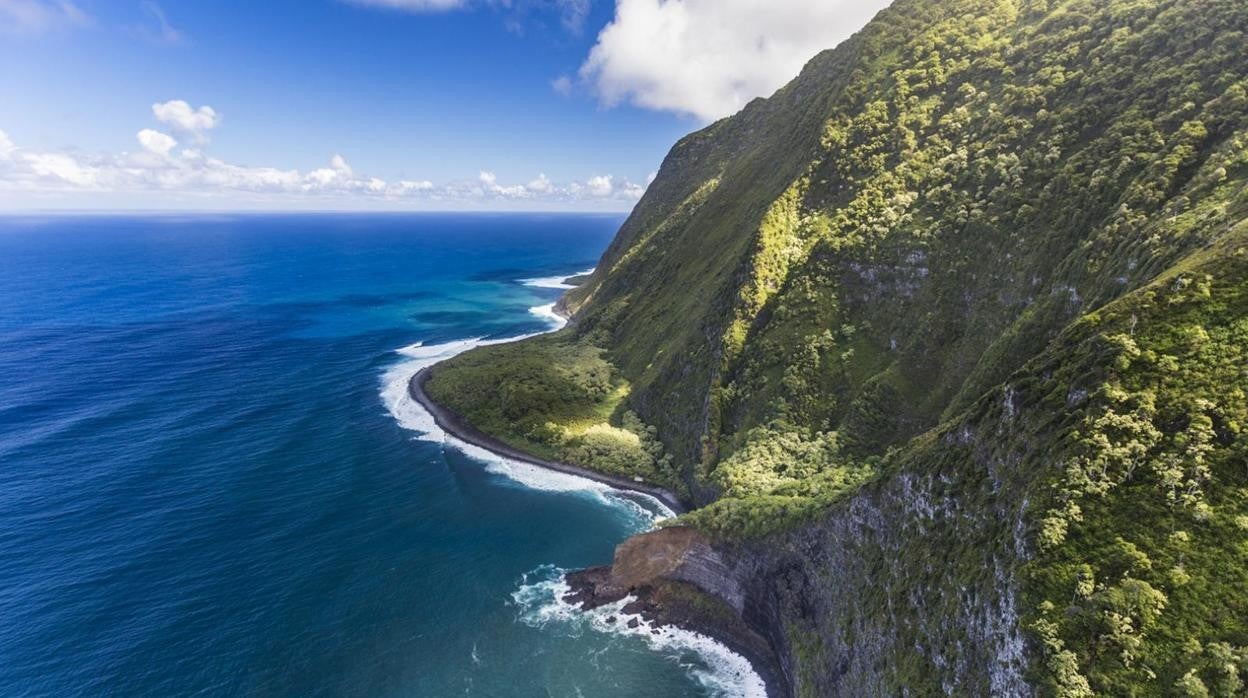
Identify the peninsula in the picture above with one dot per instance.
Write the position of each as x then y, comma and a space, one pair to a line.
944, 344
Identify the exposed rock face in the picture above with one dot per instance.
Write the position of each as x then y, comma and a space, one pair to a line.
902, 586
997, 248
908, 583
676, 577
992, 257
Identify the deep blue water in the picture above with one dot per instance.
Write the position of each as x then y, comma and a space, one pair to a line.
203, 489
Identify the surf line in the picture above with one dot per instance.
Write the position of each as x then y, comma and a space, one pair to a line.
405, 400
541, 600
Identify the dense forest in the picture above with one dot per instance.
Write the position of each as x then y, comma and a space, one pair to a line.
947, 341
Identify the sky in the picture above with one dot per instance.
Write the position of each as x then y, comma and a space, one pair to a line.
378, 104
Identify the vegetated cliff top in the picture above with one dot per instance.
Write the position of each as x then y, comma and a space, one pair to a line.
995, 245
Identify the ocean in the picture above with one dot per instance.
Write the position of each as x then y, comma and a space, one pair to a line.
212, 481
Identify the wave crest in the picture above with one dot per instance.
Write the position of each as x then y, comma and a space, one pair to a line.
539, 603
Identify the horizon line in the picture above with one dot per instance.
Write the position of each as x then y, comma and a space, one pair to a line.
275, 211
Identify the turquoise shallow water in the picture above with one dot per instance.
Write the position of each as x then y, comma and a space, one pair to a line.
206, 489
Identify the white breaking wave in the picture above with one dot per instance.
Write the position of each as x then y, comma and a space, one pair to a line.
547, 313
540, 596
643, 510
540, 604
555, 281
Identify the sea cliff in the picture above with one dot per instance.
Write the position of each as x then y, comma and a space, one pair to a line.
944, 343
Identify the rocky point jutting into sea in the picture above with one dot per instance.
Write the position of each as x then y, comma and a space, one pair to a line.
943, 344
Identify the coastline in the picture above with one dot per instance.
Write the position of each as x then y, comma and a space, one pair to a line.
453, 424
656, 618
582, 593
590, 591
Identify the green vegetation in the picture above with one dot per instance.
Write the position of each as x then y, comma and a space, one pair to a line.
1141, 578
989, 254
556, 398
780, 478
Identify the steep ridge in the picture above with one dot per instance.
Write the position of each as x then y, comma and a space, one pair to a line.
946, 339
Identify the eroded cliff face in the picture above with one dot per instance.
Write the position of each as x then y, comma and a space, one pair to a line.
961, 569
918, 214
907, 587
945, 340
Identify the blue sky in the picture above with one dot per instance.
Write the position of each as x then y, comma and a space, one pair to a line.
377, 104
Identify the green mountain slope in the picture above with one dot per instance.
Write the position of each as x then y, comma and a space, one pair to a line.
947, 340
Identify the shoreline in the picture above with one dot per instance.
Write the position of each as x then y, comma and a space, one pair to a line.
586, 593
760, 659
457, 426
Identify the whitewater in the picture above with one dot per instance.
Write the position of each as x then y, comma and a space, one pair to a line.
539, 598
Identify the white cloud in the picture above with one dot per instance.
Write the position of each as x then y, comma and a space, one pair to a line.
707, 58
540, 185
631, 191
182, 117
161, 166
63, 167
491, 187
600, 185
405, 186
157, 142
338, 174
38, 16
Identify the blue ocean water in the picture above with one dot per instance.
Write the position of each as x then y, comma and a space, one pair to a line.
210, 483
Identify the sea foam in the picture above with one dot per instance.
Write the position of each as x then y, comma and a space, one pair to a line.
539, 603
539, 599
642, 509
547, 313
555, 281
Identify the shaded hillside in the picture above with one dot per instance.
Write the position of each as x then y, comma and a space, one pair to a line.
954, 325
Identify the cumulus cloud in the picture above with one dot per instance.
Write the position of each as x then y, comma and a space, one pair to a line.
707, 58
179, 115
407, 186
62, 167
171, 160
156, 142
162, 164
490, 186
38, 16
540, 185
600, 185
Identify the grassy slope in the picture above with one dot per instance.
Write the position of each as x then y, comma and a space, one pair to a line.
554, 397
955, 194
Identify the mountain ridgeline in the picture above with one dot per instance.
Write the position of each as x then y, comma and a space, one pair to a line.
947, 343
